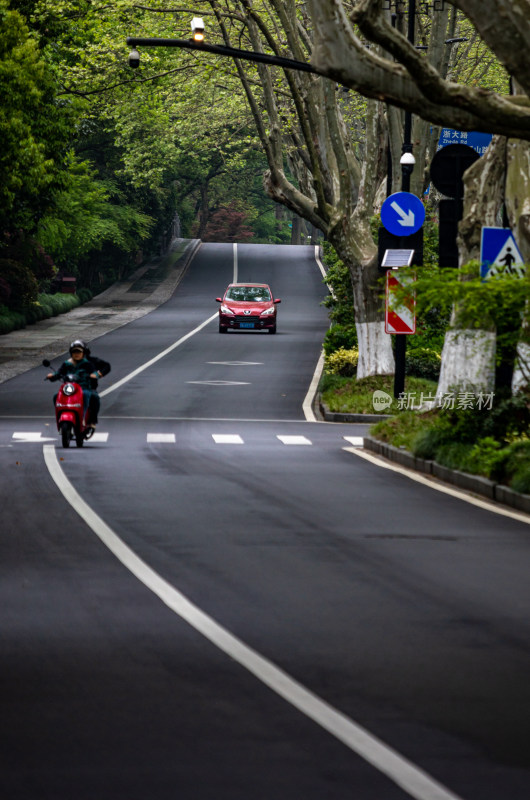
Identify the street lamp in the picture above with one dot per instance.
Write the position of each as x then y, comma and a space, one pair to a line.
407, 162
197, 29
134, 58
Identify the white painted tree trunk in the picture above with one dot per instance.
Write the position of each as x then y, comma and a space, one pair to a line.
521, 373
468, 361
468, 356
375, 350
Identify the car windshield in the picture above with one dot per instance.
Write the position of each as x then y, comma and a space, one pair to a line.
248, 294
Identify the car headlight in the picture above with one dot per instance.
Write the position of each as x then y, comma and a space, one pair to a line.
226, 310
68, 389
268, 312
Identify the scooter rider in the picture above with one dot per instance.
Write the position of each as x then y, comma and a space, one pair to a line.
87, 369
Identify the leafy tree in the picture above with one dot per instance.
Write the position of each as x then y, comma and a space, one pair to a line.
228, 225
34, 125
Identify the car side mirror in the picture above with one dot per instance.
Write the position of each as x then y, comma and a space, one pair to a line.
218, 300
277, 300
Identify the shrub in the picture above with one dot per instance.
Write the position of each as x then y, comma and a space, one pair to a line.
428, 441
340, 336
521, 480
342, 362
84, 295
484, 457
21, 284
11, 320
453, 455
423, 362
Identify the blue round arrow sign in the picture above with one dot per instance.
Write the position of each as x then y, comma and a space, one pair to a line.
402, 214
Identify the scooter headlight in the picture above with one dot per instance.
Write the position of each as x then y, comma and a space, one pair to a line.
68, 389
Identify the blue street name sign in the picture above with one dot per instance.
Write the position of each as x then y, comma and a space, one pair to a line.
499, 253
477, 140
402, 214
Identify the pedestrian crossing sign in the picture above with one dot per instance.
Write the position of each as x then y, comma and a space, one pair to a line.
499, 254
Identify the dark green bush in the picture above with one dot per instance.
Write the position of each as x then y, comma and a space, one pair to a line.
11, 320
521, 480
84, 295
453, 455
428, 441
21, 282
340, 336
423, 363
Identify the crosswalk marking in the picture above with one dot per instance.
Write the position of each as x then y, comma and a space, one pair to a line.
296, 440
356, 441
30, 436
168, 438
227, 438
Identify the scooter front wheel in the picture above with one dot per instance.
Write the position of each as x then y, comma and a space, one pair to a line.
67, 432
79, 438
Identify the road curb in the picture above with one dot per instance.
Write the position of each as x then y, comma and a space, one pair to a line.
463, 480
334, 416
121, 303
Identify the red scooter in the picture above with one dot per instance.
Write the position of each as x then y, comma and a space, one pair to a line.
70, 414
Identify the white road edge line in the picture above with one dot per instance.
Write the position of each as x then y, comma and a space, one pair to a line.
172, 347
417, 783
307, 405
440, 487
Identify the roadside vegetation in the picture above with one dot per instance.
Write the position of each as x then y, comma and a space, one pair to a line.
487, 434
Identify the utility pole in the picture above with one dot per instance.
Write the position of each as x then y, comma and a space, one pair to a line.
407, 165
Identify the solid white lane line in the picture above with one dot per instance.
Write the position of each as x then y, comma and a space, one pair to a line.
227, 438
417, 783
356, 441
440, 487
167, 438
295, 440
307, 405
172, 347
235, 276
158, 357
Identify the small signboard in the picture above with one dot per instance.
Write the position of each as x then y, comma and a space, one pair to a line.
399, 317
397, 258
402, 213
499, 254
476, 139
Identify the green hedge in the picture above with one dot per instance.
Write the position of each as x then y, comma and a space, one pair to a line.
493, 444
46, 306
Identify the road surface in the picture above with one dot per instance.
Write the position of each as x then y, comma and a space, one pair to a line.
217, 598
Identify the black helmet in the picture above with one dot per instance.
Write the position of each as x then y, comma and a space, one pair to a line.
79, 344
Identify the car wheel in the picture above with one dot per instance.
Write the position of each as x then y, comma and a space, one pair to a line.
272, 330
221, 329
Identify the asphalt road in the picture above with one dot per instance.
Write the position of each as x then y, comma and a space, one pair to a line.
216, 599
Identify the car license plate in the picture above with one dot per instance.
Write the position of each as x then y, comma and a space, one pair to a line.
246, 324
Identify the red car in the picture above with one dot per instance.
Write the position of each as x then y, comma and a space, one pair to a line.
248, 306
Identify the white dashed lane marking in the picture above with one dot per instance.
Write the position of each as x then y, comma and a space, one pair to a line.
99, 437
296, 440
167, 438
356, 441
227, 438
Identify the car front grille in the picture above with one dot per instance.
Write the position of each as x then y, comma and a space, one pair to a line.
246, 318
